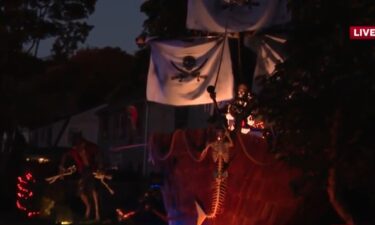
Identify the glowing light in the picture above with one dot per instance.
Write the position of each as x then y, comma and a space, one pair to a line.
19, 206
21, 180
31, 214
65, 222
20, 195
43, 160
19, 186
122, 215
24, 193
29, 176
155, 186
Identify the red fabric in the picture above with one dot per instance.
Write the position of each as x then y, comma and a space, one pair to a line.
133, 115
256, 194
91, 151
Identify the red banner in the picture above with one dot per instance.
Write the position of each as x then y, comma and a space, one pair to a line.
362, 32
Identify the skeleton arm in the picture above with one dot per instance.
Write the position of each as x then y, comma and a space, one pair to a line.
68, 171
102, 177
204, 152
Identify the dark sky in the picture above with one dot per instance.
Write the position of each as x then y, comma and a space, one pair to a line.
117, 23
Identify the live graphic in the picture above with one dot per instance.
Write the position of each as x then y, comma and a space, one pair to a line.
362, 32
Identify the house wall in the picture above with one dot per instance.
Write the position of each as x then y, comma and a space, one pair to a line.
123, 149
86, 122
45, 136
108, 126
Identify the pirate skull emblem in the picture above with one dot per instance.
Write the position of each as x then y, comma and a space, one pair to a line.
188, 62
190, 69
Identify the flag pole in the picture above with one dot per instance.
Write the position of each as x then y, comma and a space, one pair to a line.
239, 56
145, 155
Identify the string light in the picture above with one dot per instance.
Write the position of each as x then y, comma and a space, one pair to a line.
25, 194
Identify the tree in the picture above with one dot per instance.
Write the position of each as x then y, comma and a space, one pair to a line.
84, 81
101, 71
166, 18
23, 23
319, 101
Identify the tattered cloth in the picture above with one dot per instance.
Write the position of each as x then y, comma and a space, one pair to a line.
180, 71
211, 16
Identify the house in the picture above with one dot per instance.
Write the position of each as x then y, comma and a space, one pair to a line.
59, 133
121, 129
125, 126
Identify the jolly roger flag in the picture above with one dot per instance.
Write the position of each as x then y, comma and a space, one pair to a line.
180, 71
270, 50
246, 15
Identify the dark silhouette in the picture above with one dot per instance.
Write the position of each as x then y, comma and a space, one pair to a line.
86, 158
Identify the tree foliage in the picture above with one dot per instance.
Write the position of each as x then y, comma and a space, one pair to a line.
84, 81
166, 18
320, 100
23, 23
320, 97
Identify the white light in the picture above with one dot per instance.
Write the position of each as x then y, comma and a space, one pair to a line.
65, 222
43, 160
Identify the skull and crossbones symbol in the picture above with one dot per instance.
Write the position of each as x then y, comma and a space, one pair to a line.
188, 63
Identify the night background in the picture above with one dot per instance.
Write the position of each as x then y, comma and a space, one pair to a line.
60, 60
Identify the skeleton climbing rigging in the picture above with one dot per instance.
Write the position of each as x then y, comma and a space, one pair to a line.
220, 155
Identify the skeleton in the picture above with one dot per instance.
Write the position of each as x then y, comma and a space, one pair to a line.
72, 169
67, 172
238, 110
102, 177
220, 155
189, 63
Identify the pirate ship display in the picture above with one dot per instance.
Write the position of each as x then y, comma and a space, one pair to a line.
221, 175
225, 184
227, 171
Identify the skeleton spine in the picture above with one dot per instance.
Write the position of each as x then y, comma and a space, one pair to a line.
219, 192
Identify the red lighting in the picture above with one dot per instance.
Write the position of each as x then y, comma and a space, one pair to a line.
19, 206
24, 193
21, 180
19, 186
28, 176
31, 214
122, 215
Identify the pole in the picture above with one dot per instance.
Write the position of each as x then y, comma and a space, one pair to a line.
239, 56
145, 155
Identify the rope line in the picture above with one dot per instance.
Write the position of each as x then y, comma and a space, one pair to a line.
202, 155
249, 156
169, 153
